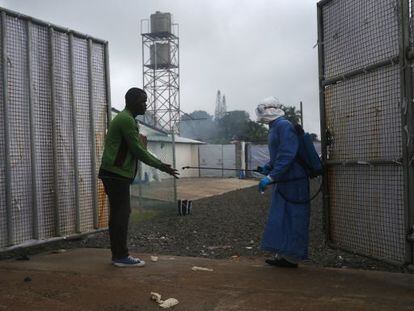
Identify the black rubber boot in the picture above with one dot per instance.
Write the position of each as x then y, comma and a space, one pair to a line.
281, 262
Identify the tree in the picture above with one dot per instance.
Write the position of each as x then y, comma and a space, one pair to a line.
233, 126
256, 132
291, 113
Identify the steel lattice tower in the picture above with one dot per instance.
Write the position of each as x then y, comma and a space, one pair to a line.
161, 72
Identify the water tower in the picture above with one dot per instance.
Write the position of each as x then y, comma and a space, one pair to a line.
160, 57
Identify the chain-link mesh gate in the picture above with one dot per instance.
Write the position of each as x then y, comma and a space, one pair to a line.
361, 68
54, 100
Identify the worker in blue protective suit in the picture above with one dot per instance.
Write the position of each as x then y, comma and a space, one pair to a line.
286, 234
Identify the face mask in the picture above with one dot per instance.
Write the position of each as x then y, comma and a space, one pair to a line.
268, 112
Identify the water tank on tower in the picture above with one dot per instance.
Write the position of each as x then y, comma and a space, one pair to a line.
160, 22
160, 54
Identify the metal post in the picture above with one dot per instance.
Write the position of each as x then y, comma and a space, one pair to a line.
325, 188
92, 136
172, 128
198, 157
143, 87
108, 86
222, 160
301, 113
75, 138
174, 164
10, 231
54, 131
406, 98
108, 93
155, 83
35, 228
178, 76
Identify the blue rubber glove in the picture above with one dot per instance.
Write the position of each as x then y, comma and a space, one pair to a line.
266, 181
265, 169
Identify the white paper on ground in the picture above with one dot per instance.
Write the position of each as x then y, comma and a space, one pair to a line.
195, 268
156, 297
170, 302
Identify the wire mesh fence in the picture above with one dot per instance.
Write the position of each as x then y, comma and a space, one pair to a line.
151, 187
19, 135
3, 203
364, 114
358, 34
42, 136
360, 52
54, 100
367, 210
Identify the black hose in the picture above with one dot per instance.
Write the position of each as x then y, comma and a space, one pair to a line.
300, 202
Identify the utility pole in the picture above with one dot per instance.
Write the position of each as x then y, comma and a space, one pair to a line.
301, 113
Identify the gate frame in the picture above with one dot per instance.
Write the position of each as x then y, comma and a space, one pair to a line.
405, 59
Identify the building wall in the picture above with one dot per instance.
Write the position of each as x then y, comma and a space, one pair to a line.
186, 155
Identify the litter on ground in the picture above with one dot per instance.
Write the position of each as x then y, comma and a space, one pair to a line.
195, 268
168, 303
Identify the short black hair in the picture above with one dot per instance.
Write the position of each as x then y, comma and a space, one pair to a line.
134, 96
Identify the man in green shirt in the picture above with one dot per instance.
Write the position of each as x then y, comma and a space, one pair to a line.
123, 148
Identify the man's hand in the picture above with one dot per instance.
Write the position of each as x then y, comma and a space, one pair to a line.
169, 170
265, 169
266, 181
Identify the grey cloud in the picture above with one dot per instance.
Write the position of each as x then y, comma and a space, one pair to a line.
248, 49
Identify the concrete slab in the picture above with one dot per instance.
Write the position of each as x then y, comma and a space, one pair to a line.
83, 279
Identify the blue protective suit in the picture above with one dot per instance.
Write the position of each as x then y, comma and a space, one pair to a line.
287, 229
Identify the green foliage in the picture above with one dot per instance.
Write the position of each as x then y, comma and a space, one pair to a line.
291, 113
256, 133
233, 125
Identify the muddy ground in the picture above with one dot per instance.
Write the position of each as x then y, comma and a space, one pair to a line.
223, 226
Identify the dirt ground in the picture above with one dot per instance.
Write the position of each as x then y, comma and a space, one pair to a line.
222, 233
83, 279
226, 225
221, 226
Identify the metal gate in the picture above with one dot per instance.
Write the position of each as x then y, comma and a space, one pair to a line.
220, 156
366, 122
54, 105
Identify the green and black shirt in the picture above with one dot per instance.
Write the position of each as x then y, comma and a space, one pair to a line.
123, 147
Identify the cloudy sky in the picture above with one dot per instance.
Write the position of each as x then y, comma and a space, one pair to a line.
247, 49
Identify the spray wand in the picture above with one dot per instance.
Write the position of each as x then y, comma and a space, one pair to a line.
218, 168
